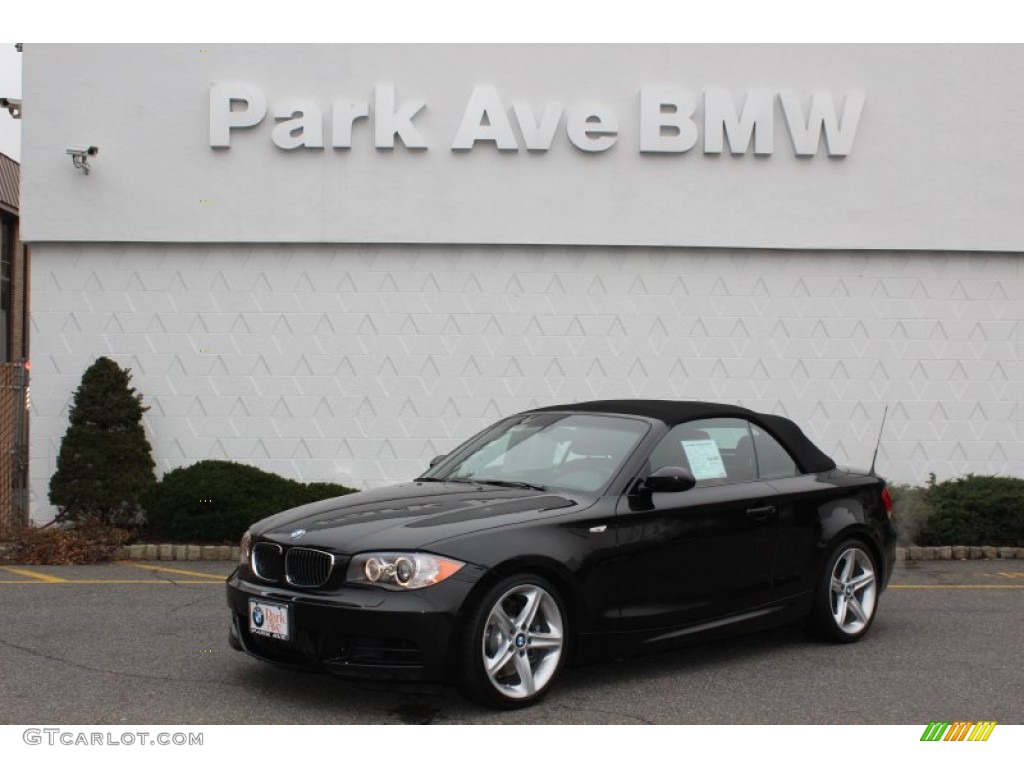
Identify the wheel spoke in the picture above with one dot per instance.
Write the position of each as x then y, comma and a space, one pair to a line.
522, 663
529, 612
498, 662
840, 611
864, 580
505, 623
837, 585
855, 608
848, 560
546, 640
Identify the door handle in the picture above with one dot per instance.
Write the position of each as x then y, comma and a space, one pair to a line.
760, 513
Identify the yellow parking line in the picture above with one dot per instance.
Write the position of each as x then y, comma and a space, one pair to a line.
173, 570
144, 581
956, 586
116, 581
40, 577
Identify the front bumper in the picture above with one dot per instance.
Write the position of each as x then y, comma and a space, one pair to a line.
353, 632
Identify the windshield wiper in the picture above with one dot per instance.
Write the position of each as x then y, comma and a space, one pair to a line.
510, 484
476, 481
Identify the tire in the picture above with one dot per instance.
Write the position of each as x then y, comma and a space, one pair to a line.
847, 596
514, 643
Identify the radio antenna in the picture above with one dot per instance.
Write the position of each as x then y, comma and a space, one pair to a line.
879, 443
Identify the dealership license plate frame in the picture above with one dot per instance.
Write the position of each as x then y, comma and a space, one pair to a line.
275, 619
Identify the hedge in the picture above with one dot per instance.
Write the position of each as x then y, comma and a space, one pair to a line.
975, 510
216, 501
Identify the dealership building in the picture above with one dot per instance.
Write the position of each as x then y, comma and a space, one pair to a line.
336, 262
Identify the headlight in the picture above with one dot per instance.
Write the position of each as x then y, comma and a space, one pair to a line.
400, 570
245, 548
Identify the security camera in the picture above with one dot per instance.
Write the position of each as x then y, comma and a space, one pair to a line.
13, 106
80, 156
84, 151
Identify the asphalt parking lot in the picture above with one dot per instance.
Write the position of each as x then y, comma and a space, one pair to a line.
147, 643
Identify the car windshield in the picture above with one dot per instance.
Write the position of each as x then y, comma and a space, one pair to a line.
578, 452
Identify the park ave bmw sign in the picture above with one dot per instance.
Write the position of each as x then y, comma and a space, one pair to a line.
669, 122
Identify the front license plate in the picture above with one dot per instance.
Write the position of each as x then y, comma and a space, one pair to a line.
268, 619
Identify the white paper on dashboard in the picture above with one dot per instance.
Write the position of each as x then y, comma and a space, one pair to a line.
705, 460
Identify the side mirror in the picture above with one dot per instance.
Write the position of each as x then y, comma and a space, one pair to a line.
669, 480
437, 460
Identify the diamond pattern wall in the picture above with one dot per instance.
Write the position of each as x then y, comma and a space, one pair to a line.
360, 363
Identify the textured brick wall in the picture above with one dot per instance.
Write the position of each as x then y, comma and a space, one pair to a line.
360, 363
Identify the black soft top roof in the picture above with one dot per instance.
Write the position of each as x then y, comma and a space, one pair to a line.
806, 454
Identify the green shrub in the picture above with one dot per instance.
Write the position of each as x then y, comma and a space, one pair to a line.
105, 462
910, 511
216, 501
975, 510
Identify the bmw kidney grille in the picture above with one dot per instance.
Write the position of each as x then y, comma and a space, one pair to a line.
307, 567
298, 566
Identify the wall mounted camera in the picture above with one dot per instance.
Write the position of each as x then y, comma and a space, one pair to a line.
80, 156
13, 106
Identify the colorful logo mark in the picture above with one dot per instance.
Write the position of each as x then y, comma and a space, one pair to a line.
960, 730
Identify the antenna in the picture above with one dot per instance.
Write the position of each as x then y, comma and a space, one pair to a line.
879, 443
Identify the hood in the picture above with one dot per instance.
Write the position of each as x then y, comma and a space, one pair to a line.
410, 516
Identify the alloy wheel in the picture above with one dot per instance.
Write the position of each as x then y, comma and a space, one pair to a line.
522, 641
853, 591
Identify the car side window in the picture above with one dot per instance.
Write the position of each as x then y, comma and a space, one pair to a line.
773, 461
714, 451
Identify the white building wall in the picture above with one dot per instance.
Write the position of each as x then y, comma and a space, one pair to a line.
935, 162
359, 363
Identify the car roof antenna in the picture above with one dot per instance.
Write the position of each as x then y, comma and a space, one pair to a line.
879, 443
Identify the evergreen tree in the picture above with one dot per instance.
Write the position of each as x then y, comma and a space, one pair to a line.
105, 461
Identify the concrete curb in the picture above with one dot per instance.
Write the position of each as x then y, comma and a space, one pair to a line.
184, 552
959, 553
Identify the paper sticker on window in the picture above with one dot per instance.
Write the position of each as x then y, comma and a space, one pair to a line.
705, 460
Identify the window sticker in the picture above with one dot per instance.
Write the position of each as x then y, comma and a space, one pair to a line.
705, 460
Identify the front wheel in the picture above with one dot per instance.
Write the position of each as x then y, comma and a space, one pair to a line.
514, 643
847, 594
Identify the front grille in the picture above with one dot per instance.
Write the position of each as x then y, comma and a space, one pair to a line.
297, 566
268, 561
308, 567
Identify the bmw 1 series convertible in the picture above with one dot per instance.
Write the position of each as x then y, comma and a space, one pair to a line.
567, 534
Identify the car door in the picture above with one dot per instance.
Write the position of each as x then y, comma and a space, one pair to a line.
703, 554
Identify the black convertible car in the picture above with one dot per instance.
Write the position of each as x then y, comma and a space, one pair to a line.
569, 532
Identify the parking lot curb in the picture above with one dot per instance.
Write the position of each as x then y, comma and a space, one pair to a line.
177, 552
959, 553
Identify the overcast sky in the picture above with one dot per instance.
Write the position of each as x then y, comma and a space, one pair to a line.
10, 87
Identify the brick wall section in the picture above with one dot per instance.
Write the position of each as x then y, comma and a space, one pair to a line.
359, 363
13, 511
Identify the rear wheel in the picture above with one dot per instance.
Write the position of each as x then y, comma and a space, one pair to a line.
847, 594
514, 643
